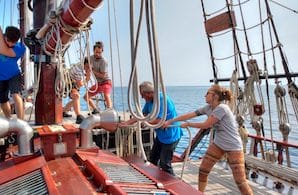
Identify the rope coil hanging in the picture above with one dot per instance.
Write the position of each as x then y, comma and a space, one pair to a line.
155, 67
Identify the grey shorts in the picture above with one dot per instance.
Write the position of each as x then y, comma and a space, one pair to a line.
13, 85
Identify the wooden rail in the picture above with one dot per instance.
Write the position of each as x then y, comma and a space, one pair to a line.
274, 171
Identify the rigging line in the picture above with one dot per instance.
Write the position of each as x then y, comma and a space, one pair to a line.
133, 81
11, 11
111, 49
273, 53
228, 57
4, 8
252, 54
254, 26
265, 50
87, 48
266, 79
149, 35
284, 62
236, 43
220, 34
221, 9
245, 32
119, 59
159, 79
37, 75
156, 75
215, 12
283, 6
210, 45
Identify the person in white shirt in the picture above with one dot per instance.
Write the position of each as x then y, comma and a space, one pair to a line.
226, 141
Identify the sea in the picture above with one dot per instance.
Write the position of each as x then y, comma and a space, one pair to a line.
189, 98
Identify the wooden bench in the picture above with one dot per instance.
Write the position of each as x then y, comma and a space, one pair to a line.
274, 171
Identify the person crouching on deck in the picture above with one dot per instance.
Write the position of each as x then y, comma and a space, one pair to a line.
227, 139
10, 74
99, 67
76, 73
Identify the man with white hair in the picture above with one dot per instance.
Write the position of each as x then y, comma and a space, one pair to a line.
166, 138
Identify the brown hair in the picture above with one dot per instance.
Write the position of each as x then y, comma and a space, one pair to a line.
98, 44
223, 93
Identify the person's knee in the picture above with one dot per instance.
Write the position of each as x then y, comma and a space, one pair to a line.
85, 97
107, 96
75, 94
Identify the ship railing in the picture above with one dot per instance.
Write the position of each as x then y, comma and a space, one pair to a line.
270, 165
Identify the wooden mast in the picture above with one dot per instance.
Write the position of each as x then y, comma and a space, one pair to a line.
48, 107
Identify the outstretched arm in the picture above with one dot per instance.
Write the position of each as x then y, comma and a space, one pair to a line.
211, 120
180, 118
128, 122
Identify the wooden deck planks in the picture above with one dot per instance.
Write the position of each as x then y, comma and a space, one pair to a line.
220, 180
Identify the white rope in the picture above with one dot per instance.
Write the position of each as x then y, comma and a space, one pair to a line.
156, 73
119, 59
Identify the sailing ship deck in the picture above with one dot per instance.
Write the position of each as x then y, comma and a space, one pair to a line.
221, 180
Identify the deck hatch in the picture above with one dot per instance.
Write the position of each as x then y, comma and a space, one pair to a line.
31, 183
124, 173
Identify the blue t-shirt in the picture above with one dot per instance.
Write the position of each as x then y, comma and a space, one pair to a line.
9, 65
170, 134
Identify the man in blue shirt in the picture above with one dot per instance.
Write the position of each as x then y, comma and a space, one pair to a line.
10, 74
166, 138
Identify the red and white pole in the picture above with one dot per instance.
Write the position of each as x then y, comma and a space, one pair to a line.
75, 15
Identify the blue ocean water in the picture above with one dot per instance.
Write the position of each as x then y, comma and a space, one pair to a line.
189, 98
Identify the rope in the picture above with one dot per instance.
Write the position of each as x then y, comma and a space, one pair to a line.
245, 32
4, 8
111, 49
221, 9
36, 86
156, 71
187, 152
266, 79
283, 6
119, 59
214, 67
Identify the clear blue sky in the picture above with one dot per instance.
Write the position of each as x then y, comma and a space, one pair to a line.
183, 45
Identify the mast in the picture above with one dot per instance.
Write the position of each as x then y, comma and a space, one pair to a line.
210, 47
48, 107
284, 62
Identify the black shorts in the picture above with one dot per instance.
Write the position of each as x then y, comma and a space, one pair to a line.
13, 85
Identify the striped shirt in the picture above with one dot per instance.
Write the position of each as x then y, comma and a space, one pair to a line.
76, 72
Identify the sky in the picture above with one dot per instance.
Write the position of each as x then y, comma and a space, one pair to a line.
183, 45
